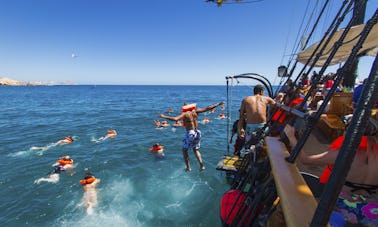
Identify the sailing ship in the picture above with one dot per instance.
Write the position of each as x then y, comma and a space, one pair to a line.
266, 177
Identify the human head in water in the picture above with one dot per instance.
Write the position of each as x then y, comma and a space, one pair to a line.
88, 179
88, 175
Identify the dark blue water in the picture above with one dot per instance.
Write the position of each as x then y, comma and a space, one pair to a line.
136, 189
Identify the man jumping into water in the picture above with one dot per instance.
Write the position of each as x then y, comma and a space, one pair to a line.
192, 138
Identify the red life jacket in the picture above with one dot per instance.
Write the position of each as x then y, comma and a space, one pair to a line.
283, 116
336, 145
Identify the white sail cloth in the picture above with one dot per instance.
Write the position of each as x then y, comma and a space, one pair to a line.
370, 46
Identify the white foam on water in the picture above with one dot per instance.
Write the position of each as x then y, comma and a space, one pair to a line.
116, 207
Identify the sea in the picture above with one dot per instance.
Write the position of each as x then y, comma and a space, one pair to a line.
136, 188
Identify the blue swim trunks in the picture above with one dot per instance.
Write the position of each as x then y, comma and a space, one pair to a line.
250, 128
192, 139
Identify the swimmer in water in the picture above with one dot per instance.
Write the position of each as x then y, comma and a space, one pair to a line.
111, 134
177, 124
164, 124
158, 150
66, 163
222, 116
66, 140
206, 120
157, 123
89, 184
63, 164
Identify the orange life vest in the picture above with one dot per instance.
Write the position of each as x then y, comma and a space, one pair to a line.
336, 145
186, 108
283, 116
87, 181
111, 132
189, 107
156, 148
64, 162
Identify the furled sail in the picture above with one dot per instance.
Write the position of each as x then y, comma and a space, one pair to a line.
369, 48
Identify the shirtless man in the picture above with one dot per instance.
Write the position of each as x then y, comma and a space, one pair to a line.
192, 138
89, 184
253, 112
358, 199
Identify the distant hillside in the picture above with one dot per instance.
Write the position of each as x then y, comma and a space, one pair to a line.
4, 81
10, 82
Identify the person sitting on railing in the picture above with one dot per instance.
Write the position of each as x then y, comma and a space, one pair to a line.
358, 201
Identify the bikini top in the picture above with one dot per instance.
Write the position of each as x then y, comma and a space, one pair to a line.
371, 189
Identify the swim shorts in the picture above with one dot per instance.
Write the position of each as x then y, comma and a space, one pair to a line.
357, 210
250, 128
192, 139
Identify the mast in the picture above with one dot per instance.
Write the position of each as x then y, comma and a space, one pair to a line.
359, 11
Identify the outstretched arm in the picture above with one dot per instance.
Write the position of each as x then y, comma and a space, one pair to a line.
176, 118
324, 158
201, 110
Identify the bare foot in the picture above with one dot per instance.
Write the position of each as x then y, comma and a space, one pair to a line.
188, 169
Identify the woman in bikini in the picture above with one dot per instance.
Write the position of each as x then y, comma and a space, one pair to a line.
358, 201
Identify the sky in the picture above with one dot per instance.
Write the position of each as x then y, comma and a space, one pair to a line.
150, 42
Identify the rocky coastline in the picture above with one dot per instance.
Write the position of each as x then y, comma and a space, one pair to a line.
4, 81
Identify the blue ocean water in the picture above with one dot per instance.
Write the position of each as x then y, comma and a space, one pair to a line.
136, 189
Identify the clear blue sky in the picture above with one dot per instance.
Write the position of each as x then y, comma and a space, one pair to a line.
146, 41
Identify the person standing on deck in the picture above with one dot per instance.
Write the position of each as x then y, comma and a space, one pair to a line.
253, 112
189, 117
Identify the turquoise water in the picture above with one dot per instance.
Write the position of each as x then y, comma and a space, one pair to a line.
136, 189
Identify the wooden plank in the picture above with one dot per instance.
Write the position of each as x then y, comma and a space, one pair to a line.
229, 163
297, 201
